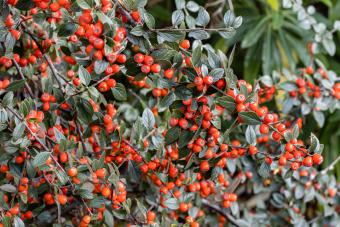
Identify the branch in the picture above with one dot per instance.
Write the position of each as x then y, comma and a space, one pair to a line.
125, 12
331, 166
227, 216
28, 88
41, 142
80, 134
55, 73
231, 7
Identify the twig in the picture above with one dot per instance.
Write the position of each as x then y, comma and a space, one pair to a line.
214, 3
42, 144
80, 134
230, 218
55, 73
331, 166
232, 126
20, 73
28, 88
125, 12
231, 7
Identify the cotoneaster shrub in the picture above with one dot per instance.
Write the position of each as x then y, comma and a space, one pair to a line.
107, 120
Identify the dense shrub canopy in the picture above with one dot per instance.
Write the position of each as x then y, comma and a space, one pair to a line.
107, 119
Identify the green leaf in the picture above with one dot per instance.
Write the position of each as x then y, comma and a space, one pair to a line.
287, 49
16, 85
255, 33
180, 4
264, 170
329, 45
196, 56
137, 31
319, 117
267, 52
148, 119
242, 223
183, 93
171, 36
67, 29
288, 86
7, 99
9, 42
251, 135
172, 135
149, 20
104, 18
25, 5
85, 110
83, 4
250, 118
177, 17
19, 130
295, 131
26, 106
237, 22
100, 66
3, 116
119, 92
30, 169
217, 73
199, 35
163, 54
7, 221
108, 217
193, 6
62, 177
84, 75
166, 101
266, 80
203, 17
171, 203
18, 222
226, 102
213, 59
314, 144
190, 21
8, 188
228, 18
41, 158
184, 138
58, 135
299, 191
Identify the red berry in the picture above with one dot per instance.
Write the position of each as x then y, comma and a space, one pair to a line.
204, 166
155, 68
139, 58
208, 80
307, 161
317, 159
98, 44
264, 129
282, 161
269, 118
145, 68
240, 98
148, 60
185, 44
169, 73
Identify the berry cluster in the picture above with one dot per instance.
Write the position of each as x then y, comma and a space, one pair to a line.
144, 131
